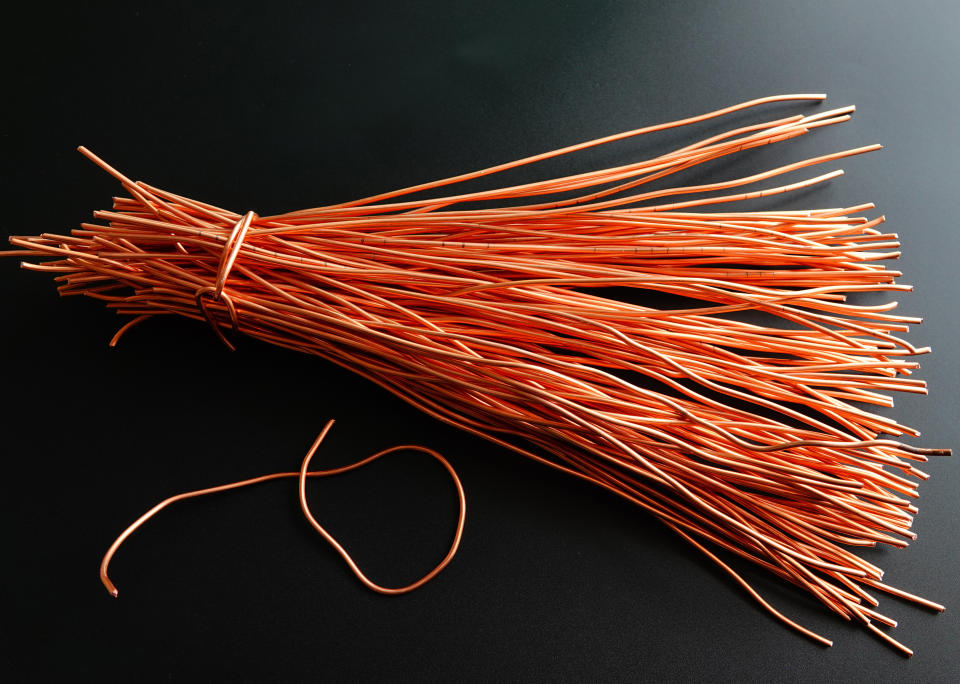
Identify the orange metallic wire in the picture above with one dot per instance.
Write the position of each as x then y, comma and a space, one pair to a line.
734, 431
302, 475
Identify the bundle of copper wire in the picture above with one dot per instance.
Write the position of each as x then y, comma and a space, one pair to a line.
741, 434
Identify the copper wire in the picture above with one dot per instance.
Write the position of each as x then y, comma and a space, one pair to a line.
737, 418
302, 476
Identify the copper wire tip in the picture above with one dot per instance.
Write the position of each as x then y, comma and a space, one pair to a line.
109, 586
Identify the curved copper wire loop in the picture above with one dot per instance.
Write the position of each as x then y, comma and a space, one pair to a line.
230, 251
343, 552
231, 312
227, 258
302, 474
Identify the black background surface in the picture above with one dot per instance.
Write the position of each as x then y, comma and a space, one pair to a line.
278, 107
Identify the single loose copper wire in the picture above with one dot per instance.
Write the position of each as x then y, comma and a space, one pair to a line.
339, 548
302, 475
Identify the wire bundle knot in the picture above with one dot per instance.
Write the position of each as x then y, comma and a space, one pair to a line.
227, 259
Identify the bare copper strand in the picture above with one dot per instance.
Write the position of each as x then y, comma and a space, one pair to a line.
739, 418
302, 475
